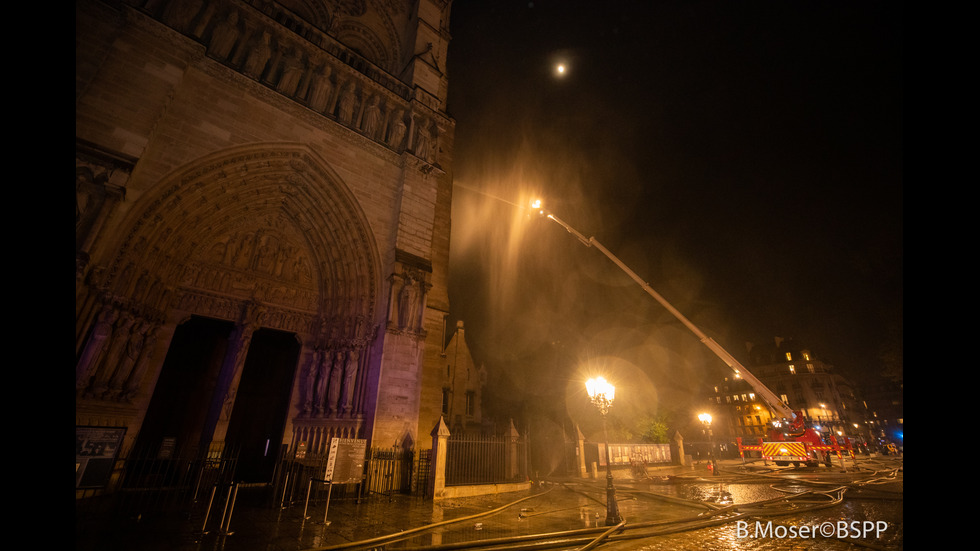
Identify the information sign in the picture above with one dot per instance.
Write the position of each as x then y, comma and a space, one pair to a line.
345, 464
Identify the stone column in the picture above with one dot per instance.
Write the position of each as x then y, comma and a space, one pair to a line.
679, 446
223, 399
437, 478
511, 468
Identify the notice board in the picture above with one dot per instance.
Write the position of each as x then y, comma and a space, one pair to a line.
345, 464
95, 454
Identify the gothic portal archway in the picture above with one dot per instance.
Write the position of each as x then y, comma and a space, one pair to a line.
265, 236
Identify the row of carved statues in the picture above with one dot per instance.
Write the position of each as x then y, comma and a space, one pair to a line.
331, 382
306, 73
116, 355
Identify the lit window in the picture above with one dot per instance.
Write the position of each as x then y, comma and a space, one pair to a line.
806, 355
809, 367
789, 355
792, 369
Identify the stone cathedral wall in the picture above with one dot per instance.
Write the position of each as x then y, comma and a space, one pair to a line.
239, 162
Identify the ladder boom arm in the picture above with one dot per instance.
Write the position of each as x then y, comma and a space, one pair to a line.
762, 390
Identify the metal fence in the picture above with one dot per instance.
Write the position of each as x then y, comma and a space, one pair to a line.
147, 483
387, 471
397, 470
484, 459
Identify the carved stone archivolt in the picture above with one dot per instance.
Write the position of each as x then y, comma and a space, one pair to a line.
268, 225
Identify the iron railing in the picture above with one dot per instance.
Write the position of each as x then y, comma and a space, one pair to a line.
387, 471
485, 459
148, 483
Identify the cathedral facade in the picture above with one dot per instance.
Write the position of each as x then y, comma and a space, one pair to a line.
263, 198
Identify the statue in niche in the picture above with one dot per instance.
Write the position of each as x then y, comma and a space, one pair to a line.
345, 110
336, 374
133, 349
120, 338
217, 253
292, 70
372, 115
180, 13
311, 381
243, 255
350, 378
323, 376
148, 350
258, 56
408, 304
95, 345
266, 255
301, 272
423, 143
321, 89
224, 36
397, 133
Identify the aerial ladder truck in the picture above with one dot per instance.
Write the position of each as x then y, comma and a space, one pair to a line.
790, 440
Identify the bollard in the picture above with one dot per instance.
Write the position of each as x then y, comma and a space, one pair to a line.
309, 488
207, 513
285, 490
224, 529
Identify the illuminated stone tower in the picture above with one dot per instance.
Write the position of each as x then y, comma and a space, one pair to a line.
262, 221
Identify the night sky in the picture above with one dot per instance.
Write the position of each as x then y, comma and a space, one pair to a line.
744, 158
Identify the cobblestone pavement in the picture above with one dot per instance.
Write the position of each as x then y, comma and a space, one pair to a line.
744, 507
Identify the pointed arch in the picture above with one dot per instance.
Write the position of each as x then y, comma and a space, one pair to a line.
266, 222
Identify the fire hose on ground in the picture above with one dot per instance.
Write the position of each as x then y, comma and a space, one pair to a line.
589, 538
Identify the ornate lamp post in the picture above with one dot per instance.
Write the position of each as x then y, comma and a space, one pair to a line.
705, 419
602, 393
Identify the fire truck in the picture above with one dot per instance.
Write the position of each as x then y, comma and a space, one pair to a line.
789, 440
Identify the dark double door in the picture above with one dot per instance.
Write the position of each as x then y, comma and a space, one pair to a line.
178, 411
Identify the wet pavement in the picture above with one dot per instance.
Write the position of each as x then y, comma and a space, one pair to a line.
746, 506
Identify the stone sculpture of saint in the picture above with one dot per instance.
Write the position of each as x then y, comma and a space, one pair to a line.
224, 37
372, 116
312, 381
95, 345
321, 90
258, 56
120, 339
408, 305
423, 145
292, 70
397, 133
136, 377
350, 377
323, 375
133, 349
336, 376
345, 111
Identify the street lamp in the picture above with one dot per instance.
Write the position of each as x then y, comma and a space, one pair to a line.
705, 419
602, 393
